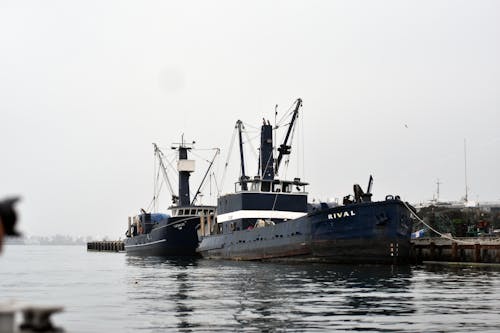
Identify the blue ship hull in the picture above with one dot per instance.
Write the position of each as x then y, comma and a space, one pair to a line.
177, 237
368, 232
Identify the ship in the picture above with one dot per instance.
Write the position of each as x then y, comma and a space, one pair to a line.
268, 218
175, 234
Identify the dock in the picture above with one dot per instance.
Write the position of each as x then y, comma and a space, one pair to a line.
106, 246
435, 249
459, 250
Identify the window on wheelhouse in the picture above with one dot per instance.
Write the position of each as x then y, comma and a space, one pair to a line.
286, 187
265, 186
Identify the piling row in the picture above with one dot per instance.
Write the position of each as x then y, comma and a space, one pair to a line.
106, 246
435, 249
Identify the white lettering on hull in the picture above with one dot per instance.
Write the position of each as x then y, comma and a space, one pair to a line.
339, 215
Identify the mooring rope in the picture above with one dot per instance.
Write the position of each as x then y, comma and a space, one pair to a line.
437, 232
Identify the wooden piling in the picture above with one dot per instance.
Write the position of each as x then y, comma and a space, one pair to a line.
209, 222
106, 246
454, 251
433, 250
202, 224
477, 252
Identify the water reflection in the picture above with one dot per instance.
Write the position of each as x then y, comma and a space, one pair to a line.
301, 297
182, 311
465, 293
196, 294
158, 262
164, 284
107, 292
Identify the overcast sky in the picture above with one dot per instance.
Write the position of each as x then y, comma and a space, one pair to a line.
390, 88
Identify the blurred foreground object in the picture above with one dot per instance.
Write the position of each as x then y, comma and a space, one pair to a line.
35, 318
8, 216
8, 219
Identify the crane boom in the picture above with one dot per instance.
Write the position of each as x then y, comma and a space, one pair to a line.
284, 148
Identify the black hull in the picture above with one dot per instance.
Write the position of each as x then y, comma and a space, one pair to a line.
177, 238
371, 232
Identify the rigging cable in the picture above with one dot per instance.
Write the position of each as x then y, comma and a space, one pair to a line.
257, 129
228, 156
428, 226
201, 157
156, 187
249, 141
198, 191
215, 182
286, 114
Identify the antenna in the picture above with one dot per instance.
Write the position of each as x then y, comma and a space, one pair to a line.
465, 170
438, 183
275, 130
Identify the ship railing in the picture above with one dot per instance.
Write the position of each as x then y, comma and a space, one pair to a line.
270, 186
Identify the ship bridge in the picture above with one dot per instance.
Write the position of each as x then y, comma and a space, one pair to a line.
275, 186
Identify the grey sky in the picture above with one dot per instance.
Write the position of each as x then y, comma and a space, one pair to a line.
87, 86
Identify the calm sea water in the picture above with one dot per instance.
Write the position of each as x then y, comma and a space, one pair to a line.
112, 292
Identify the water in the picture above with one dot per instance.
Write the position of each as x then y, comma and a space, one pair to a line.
113, 292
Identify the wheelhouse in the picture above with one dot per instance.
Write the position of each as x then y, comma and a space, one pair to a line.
270, 186
192, 211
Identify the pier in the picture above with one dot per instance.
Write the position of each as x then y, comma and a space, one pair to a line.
106, 246
466, 250
439, 249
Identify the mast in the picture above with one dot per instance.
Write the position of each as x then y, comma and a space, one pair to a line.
266, 165
284, 148
465, 170
244, 187
437, 193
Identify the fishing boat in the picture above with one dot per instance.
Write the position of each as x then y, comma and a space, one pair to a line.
175, 234
268, 218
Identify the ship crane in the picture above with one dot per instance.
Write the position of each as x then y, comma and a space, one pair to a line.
243, 178
284, 148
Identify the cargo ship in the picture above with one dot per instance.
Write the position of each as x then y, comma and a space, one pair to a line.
267, 218
175, 234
